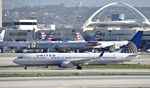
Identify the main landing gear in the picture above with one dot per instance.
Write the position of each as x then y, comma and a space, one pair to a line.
79, 67
25, 68
46, 66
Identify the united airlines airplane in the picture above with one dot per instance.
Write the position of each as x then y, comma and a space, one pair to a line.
66, 60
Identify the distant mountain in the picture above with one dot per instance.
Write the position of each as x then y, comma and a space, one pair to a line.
57, 14
9, 4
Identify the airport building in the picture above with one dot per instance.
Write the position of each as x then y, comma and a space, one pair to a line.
29, 30
113, 21
26, 25
118, 21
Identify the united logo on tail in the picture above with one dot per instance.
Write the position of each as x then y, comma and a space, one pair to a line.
130, 48
134, 44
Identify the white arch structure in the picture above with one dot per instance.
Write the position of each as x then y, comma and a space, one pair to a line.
101, 11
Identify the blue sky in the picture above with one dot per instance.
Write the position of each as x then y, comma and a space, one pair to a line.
96, 3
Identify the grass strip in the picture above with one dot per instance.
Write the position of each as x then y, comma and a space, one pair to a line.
75, 74
119, 66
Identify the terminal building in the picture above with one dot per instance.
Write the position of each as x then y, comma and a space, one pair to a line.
118, 21
29, 30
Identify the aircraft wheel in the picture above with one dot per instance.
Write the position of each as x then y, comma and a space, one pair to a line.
46, 66
25, 68
79, 67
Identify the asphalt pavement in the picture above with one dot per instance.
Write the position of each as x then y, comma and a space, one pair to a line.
77, 82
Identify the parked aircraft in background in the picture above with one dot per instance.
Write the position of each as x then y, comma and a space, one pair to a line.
66, 60
1, 39
11, 45
110, 45
79, 43
2, 35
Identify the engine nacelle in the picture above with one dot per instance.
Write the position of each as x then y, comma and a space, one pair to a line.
66, 64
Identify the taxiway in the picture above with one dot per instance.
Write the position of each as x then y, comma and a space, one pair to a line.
76, 82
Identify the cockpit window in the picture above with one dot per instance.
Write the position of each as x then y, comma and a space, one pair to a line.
20, 57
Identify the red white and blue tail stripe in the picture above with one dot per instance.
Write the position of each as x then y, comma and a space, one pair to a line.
79, 37
42, 35
50, 37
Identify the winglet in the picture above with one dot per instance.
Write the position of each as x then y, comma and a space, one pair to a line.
102, 53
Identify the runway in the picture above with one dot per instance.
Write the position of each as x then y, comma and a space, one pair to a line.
92, 71
76, 82
6, 59
144, 58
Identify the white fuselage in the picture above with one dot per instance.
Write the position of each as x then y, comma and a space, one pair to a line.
116, 44
75, 58
80, 44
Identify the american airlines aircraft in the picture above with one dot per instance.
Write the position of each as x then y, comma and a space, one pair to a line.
2, 35
2, 38
66, 60
11, 44
79, 43
93, 43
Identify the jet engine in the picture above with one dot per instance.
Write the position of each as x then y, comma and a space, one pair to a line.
66, 64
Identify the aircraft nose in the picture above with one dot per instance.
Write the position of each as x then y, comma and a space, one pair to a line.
15, 60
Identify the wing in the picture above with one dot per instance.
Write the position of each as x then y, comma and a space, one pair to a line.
82, 61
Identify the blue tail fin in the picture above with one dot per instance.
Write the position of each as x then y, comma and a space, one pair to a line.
134, 44
137, 39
